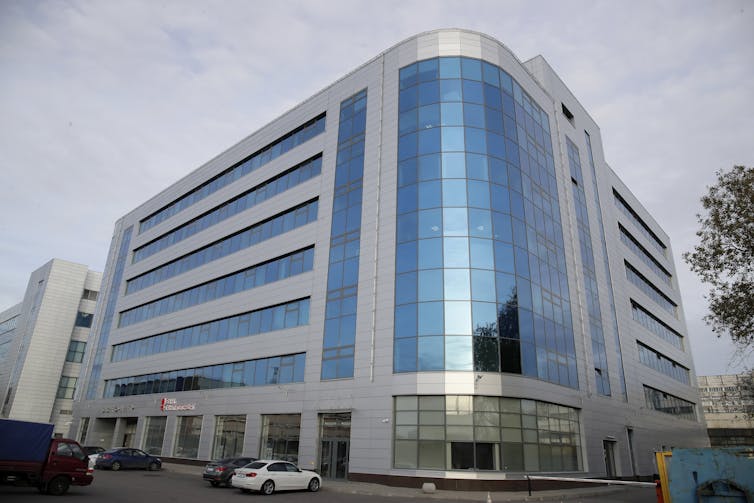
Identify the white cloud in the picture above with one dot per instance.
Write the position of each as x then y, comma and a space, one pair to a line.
93, 91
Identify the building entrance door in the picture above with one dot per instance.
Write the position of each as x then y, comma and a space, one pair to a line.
335, 442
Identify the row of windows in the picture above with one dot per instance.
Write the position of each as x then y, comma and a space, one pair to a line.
345, 240
261, 274
629, 212
90, 294
591, 291
654, 325
262, 231
107, 322
276, 370
9, 324
661, 363
650, 290
66, 387
644, 255
291, 314
606, 266
258, 159
485, 433
669, 404
260, 193
75, 352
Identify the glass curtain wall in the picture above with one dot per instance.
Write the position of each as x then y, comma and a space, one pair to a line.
280, 437
229, 435
485, 433
345, 241
154, 434
480, 265
187, 437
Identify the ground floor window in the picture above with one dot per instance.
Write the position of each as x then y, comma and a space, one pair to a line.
187, 437
229, 434
280, 436
485, 433
154, 434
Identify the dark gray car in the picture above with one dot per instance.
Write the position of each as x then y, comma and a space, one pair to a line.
220, 471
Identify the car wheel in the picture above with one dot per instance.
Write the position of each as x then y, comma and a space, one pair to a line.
268, 487
58, 486
214, 483
314, 485
153, 466
115, 466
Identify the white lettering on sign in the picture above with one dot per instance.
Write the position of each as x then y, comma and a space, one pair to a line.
172, 404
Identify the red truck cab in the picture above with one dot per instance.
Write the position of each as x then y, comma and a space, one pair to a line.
30, 456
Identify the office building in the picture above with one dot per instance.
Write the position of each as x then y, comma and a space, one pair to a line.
42, 344
426, 270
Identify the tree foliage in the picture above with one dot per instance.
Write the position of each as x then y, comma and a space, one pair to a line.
724, 257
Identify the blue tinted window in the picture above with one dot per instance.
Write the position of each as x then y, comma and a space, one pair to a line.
476, 140
458, 353
472, 92
407, 172
404, 355
429, 167
429, 70
409, 76
450, 90
430, 285
452, 115
431, 354
430, 223
405, 321
482, 255
458, 318
456, 252
407, 198
471, 68
479, 196
431, 318
473, 115
453, 165
429, 194
406, 257
409, 98
450, 68
429, 116
405, 288
429, 141
454, 192
483, 284
455, 222
430, 253
429, 92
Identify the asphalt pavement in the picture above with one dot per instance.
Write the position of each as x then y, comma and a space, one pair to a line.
367, 489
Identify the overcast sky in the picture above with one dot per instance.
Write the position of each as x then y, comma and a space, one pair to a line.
105, 103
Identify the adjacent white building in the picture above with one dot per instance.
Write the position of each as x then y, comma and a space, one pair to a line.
425, 270
43, 341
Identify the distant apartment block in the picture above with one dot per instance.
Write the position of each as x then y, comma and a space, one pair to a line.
42, 343
728, 402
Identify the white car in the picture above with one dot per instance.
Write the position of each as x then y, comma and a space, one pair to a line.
268, 476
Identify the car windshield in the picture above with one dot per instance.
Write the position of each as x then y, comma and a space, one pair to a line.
256, 465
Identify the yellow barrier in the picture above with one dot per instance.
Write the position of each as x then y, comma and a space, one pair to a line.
663, 461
